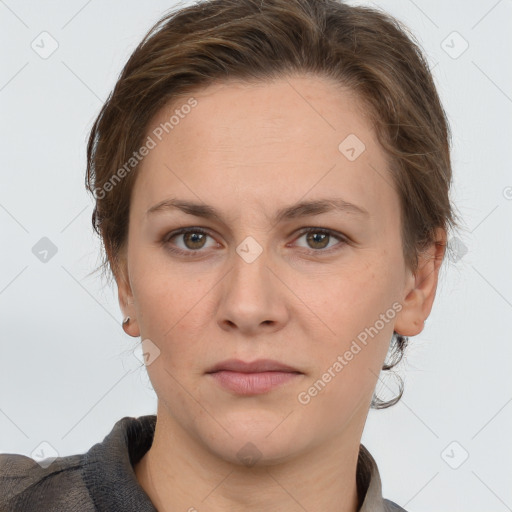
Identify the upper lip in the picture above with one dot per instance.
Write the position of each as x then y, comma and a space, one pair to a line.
260, 365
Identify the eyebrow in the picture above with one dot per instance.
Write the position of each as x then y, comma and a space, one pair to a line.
301, 209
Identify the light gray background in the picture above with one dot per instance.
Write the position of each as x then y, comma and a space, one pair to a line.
67, 368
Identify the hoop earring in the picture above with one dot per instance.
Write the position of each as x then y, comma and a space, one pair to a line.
126, 321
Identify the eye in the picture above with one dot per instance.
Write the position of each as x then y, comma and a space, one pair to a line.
193, 240
319, 238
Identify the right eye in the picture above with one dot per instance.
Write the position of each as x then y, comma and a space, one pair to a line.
193, 239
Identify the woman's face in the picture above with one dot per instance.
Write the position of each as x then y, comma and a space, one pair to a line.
249, 283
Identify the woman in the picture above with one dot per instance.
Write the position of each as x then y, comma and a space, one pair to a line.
271, 182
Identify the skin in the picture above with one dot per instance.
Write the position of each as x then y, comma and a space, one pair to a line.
249, 150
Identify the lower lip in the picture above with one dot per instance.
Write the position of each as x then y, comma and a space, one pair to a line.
252, 383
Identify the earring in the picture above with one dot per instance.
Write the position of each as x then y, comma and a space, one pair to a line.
126, 320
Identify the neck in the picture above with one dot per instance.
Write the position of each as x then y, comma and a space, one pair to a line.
178, 473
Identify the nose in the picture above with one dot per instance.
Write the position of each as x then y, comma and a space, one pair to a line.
252, 297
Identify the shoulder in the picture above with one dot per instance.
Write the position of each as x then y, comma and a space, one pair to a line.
29, 485
101, 478
390, 506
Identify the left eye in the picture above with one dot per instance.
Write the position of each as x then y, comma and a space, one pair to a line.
319, 239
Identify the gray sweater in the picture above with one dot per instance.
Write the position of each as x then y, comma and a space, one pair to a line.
103, 478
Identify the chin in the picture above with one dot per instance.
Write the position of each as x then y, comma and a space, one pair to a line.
255, 453
257, 439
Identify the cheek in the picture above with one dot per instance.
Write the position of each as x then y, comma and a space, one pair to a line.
357, 295
347, 368
174, 311
164, 294
360, 312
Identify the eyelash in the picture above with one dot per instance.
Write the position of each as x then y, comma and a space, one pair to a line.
191, 253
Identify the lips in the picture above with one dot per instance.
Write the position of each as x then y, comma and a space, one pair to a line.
258, 366
254, 378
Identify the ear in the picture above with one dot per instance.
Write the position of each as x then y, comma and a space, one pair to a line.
125, 297
420, 289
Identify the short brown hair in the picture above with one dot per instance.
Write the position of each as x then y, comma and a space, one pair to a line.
362, 49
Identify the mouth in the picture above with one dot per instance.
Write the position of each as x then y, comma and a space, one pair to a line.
258, 366
257, 377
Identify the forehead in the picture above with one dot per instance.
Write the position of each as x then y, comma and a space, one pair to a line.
268, 142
